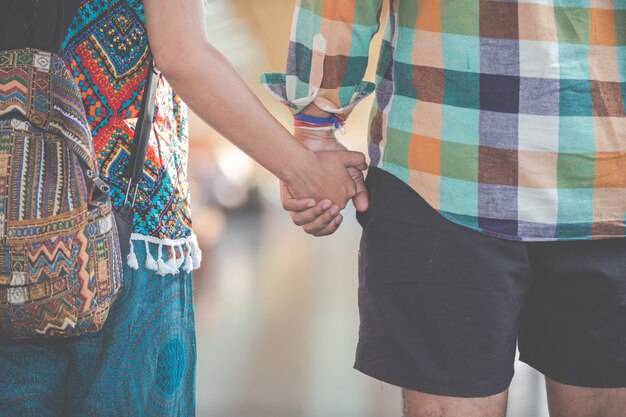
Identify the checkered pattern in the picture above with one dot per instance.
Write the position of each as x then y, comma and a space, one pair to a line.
506, 116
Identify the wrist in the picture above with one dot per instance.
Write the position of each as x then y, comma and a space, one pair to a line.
317, 141
297, 170
315, 123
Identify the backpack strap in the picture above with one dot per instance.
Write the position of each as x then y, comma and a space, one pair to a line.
11, 22
59, 30
134, 170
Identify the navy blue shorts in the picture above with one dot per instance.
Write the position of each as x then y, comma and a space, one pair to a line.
442, 306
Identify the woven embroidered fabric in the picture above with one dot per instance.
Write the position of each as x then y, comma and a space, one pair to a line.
59, 258
107, 52
142, 363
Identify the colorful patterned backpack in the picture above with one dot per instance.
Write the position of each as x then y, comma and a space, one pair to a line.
60, 264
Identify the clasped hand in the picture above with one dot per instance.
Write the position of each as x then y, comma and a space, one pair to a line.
336, 178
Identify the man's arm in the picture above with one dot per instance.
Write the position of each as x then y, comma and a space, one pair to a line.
328, 56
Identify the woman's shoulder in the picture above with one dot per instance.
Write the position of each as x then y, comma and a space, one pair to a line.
118, 25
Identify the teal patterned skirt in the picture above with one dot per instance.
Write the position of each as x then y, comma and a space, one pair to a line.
141, 364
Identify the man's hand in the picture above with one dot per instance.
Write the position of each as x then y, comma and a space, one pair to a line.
323, 218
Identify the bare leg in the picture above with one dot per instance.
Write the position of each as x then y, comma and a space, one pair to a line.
419, 404
569, 401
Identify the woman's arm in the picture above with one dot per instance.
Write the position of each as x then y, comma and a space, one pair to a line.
217, 94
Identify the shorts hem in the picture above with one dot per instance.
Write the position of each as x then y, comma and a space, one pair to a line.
557, 376
474, 392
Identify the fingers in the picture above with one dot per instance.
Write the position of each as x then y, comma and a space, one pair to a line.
293, 204
354, 159
324, 208
361, 201
361, 198
331, 228
321, 224
315, 219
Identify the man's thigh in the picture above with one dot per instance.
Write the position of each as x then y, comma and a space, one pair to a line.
439, 303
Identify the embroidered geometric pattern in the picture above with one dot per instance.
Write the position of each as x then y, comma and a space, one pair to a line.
148, 369
60, 265
507, 116
107, 52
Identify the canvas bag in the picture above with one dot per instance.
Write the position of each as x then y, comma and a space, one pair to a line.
60, 263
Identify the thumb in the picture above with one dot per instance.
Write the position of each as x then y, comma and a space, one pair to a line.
285, 192
292, 204
354, 159
361, 198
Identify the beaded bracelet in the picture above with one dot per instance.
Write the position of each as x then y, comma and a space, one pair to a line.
303, 121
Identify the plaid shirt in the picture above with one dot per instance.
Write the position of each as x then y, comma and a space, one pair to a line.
506, 116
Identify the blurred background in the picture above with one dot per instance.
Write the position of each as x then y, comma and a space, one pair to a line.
276, 310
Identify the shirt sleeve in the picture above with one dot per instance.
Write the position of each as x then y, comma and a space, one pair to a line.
328, 56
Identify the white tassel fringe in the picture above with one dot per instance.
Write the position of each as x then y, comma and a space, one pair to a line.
188, 258
133, 263
151, 264
163, 269
184, 254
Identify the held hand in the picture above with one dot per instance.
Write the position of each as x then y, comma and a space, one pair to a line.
323, 218
317, 141
325, 176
